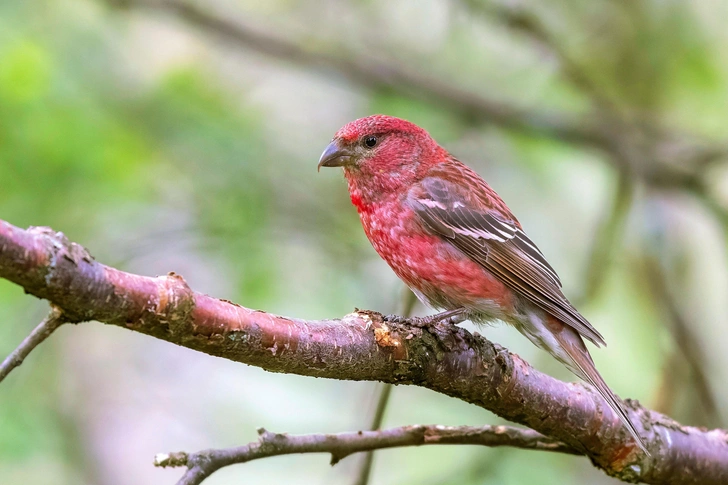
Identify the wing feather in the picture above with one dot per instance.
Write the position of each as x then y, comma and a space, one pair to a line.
499, 245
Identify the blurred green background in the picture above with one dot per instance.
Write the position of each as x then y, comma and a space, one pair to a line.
183, 136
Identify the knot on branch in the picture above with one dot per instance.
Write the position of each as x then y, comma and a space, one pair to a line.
64, 248
175, 459
175, 302
270, 439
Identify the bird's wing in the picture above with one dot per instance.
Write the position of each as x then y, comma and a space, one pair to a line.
462, 210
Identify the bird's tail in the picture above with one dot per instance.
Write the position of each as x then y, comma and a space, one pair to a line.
582, 365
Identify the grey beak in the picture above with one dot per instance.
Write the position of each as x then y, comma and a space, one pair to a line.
334, 156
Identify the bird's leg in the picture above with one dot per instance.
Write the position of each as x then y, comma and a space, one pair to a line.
453, 317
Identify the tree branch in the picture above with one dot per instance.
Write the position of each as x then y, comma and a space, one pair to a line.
365, 469
685, 340
522, 20
37, 336
654, 154
636, 146
202, 464
362, 476
608, 239
679, 160
376, 73
363, 346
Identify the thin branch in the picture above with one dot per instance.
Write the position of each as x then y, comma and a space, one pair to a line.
377, 73
44, 329
365, 468
624, 143
607, 238
621, 143
202, 464
683, 337
709, 200
379, 412
364, 346
408, 304
672, 159
672, 376
521, 20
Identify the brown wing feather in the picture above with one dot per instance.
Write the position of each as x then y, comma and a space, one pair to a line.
476, 221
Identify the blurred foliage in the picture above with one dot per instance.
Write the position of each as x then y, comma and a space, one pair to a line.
162, 146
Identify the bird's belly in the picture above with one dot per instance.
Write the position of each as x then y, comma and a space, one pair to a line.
439, 273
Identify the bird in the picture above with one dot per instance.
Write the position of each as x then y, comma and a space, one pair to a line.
455, 243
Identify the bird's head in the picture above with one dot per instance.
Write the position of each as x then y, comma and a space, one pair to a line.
380, 153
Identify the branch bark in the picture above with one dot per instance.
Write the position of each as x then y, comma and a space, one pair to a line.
202, 464
363, 346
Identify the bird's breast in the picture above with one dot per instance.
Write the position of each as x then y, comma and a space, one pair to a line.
429, 264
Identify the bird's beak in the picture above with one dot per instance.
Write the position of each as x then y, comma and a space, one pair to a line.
334, 156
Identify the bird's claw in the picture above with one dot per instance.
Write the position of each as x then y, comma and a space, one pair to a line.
419, 321
395, 319
453, 320
451, 317
413, 321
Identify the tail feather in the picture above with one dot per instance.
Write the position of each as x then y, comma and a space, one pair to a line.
583, 366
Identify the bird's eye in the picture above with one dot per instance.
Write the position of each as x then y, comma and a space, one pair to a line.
370, 141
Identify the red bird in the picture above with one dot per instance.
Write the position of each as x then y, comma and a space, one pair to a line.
456, 244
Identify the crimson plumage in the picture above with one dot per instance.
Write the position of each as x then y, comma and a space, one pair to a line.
449, 236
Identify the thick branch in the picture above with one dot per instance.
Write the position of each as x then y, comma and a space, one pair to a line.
362, 346
202, 464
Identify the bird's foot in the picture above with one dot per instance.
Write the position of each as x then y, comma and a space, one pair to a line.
451, 317
395, 318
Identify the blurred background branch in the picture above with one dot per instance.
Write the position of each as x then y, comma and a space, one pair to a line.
667, 165
687, 360
376, 73
607, 239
